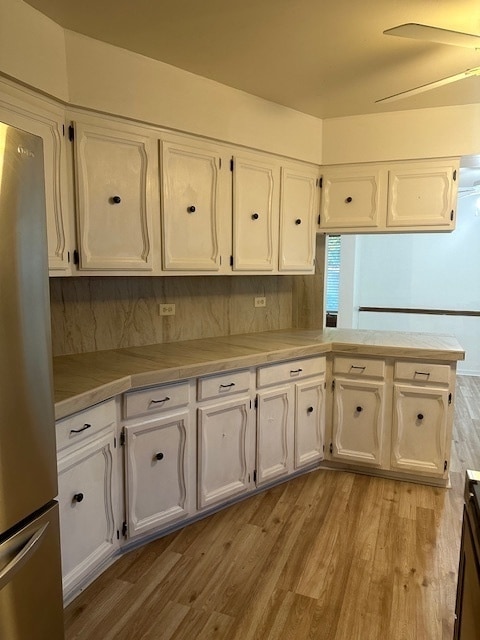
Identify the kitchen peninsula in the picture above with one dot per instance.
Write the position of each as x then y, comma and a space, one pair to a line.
151, 438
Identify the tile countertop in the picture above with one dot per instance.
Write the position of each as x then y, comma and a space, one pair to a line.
84, 379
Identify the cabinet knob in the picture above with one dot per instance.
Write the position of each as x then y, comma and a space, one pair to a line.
420, 416
116, 199
191, 209
298, 221
255, 216
310, 410
78, 497
159, 456
349, 199
359, 409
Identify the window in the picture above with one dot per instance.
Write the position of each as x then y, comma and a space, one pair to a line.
333, 279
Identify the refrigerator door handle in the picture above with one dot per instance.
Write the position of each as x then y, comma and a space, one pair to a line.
7, 573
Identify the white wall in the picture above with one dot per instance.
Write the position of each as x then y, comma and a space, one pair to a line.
399, 135
32, 48
427, 270
132, 85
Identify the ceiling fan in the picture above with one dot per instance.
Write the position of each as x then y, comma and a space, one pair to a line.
442, 36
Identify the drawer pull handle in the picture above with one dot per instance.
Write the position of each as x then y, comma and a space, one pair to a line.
359, 409
78, 497
420, 416
357, 366
293, 371
310, 410
85, 426
159, 456
227, 386
422, 373
160, 401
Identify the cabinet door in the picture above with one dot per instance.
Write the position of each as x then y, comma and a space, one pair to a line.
48, 124
224, 450
114, 180
358, 421
353, 198
255, 214
419, 429
422, 194
309, 421
275, 441
193, 209
86, 495
298, 212
157, 468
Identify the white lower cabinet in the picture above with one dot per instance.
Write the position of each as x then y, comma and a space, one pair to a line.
159, 457
87, 492
290, 417
225, 444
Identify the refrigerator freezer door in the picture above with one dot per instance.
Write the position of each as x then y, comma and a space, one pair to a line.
30, 581
28, 478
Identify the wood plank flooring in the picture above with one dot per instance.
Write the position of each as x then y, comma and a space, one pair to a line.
330, 555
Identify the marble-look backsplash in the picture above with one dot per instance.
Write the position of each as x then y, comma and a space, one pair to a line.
96, 313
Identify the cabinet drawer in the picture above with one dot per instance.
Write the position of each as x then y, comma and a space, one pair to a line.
364, 367
424, 373
85, 424
155, 399
224, 384
287, 371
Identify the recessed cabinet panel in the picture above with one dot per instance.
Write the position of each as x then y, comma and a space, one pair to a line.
352, 197
192, 210
309, 421
157, 472
298, 212
113, 198
358, 421
419, 429
274, 434
422, 194
255, 214
224, 449
86, 489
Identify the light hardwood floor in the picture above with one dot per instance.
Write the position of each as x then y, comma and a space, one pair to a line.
330, 555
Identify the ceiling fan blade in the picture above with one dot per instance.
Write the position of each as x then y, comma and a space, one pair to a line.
435, 34
431, 85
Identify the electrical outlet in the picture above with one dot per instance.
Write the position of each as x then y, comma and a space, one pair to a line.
261, 301
167, 309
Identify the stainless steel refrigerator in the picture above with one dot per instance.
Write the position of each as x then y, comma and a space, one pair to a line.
30, 575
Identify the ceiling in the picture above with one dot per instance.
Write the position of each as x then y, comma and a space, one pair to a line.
320, 57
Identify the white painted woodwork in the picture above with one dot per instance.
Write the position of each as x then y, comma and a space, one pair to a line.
87, 527
419, 434
358, 415
112, 161
223, 384
309, 421
290, 371
195, 212
21, 109
225, 440
158, 490
255, 213
353, 197
151, 400
275, 433
299, 200
422, 194
83, 425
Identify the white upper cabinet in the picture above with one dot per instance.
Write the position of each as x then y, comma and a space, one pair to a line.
23, 110
195, 190
116, 174
256, 182
415, 195
299, 199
